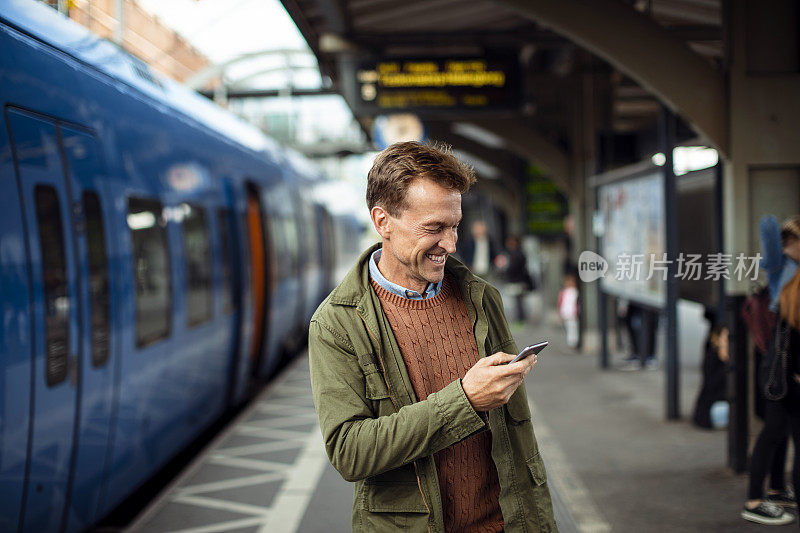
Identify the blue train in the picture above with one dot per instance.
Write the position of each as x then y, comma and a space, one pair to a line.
157, 257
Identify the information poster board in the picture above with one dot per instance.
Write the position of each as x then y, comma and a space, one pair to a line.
632, 231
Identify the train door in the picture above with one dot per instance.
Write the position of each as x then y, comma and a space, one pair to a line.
231, 283
87, 183
55, 317
258, 278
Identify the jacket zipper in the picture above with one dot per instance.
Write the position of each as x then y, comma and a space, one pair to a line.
474, 309
388, 388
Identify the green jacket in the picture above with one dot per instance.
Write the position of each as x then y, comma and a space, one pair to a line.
378, 435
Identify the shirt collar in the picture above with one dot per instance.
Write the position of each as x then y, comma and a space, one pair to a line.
431, 290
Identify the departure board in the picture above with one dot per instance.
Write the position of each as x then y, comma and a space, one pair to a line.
436, 84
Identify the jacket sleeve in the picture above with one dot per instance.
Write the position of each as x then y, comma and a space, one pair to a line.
358, 443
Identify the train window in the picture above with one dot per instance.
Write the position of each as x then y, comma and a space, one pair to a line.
151, 270
224, 225
98, 278
198, 264
54, 279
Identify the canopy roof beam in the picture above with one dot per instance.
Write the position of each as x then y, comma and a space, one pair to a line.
532, 146
645, 51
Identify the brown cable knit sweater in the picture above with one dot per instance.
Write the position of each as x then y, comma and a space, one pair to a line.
437, 345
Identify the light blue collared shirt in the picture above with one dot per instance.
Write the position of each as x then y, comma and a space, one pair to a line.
431, 291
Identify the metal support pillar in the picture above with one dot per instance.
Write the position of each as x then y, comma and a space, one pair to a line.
602, 300
603, 319
738, 387
119, 13
672, 366
719, 235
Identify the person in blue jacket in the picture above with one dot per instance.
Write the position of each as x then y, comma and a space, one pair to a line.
780, 268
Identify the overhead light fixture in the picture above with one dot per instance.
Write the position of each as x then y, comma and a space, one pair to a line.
690, 158
482, 168
659, 159
478, 134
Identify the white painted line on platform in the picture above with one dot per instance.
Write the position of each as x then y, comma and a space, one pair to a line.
290, 505
223, 526
226, 484
265, 447
579, 502
223, 505
244, 462
293, 410
269, 433
281, 422
300, 390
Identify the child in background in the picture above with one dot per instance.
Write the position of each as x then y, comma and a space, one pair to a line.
568, 308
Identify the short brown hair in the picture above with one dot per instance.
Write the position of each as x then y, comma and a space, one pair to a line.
401, 163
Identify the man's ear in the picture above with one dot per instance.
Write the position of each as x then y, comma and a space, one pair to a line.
381, 221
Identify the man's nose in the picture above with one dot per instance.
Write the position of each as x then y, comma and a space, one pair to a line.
448, 242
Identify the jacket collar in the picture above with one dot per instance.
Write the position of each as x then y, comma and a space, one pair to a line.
356, 283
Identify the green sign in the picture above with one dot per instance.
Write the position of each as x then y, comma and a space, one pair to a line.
545, 206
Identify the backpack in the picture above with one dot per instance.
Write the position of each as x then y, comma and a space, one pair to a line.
759, 319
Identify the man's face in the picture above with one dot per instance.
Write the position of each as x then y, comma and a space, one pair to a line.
417, 241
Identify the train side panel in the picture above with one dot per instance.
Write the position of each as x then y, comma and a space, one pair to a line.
16, 345
175, 363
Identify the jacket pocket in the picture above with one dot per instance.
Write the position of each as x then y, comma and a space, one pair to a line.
393, 497
375, 384
540, 500
517, 408
376, 387
389, 507
536, 466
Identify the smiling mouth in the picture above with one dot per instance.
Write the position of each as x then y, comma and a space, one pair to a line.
438, 259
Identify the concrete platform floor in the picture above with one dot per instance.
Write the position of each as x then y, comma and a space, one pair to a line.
613, 462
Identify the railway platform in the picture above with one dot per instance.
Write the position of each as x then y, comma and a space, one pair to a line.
613, 463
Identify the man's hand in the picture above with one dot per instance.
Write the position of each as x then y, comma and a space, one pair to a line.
490, 382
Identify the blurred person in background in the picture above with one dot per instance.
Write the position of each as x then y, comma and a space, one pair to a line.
642, 324
711, 408
568, 308
479, 252
513, 266
781, 255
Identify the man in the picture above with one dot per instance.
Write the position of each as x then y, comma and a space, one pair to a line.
408, 358
479, 252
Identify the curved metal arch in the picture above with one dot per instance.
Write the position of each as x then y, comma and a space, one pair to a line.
199, 79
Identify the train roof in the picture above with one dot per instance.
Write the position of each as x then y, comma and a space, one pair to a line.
48, 26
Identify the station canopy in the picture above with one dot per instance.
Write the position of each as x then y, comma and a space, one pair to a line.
511, 78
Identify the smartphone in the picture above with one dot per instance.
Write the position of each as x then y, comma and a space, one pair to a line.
530, 350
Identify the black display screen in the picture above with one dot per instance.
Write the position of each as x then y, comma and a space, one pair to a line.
435, 84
